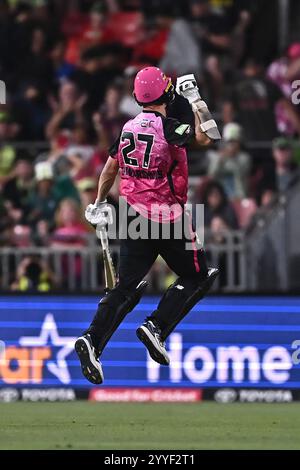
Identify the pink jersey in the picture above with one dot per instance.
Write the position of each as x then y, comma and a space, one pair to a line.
153, 163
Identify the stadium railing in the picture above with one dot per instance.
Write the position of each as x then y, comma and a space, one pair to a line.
80, 269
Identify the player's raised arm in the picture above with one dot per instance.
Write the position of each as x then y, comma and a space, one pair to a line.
200, 136
206, 129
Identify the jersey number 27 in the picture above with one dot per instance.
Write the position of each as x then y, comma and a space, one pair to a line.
148, 139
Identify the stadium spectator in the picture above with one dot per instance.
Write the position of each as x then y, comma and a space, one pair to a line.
8, 132
32, 111
230, 165
219, 220
17, 189
43, 199
219, 215
182, 52
236, 16
33, 276
111, 118
9, 128
67, 111
56, 153
19, 40
87, 188
212, 30
282, 172
79, 153
6, 221
266, 201
36, 65
62, 69
70, 227
99, 67
220, 31
282, 72
92, 33
71, 231
251, 101
153, 39
286, 170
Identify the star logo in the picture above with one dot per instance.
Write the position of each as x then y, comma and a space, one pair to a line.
49, 334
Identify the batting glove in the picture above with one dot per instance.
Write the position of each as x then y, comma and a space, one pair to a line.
99, 213
187, 87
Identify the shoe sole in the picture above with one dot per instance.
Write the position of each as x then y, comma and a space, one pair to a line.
89, 369
146, 338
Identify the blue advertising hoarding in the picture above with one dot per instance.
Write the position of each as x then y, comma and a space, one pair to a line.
224, 342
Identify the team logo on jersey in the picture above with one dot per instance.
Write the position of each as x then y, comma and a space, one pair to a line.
183, 129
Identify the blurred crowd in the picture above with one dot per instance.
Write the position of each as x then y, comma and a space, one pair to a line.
69, 69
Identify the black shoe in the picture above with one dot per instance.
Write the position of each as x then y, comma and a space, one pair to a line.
149, 334
90, 365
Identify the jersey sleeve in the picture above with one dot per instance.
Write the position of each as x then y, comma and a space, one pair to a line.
114, 149
177, 133
181, 110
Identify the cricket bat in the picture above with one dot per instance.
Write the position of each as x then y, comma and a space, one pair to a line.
109, 270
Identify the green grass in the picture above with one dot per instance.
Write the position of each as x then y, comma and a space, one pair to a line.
86, 425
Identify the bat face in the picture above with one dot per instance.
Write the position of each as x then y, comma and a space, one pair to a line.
109, 270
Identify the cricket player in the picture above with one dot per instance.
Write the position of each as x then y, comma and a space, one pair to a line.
151, 157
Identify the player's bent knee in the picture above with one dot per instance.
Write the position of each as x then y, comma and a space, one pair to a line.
119, 298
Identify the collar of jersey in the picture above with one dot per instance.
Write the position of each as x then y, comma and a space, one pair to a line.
153, 112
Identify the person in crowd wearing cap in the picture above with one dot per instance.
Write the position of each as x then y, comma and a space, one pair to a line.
43, 199
286, 171
151, 157
230, 165
87, 188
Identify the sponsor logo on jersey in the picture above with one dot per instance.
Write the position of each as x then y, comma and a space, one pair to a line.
183, 129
